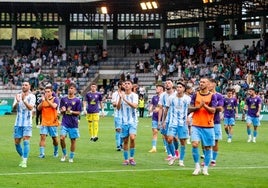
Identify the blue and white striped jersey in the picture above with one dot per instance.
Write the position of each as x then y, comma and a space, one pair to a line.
24, 116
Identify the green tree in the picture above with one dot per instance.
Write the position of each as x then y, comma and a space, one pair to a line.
5, 33
49, 33
27, 33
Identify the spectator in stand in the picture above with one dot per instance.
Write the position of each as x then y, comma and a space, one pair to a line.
142, 90
104, 54
146, 47
141, 67
135, 79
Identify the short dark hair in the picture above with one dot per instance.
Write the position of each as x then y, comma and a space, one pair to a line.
159, 85
181, 83
120, 82
93, 83
72, 85
128, 80
229, 89
188, 87
49, 87
252, 88
213, 80
169, 79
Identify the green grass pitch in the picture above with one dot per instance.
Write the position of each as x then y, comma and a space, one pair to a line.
239, 164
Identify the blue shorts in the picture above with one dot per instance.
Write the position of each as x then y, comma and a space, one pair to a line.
172, 131
128, 129
154, 124
117, 123
229, 121
204, 135
183, 132
51, 130
73, 133
164, 131
20, 132
218, 132
255, 121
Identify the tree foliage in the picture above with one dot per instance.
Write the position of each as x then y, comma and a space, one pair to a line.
26, 33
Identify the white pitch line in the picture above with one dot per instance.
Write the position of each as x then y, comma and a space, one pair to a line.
129, 170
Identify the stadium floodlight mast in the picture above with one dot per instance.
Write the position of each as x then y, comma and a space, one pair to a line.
207, 1
149, 5
104, 10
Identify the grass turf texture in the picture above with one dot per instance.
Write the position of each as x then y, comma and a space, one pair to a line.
98, 164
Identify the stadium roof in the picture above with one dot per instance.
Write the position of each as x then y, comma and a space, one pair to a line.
231, 8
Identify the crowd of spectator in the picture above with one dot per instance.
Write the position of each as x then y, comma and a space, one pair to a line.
240, 69
30, 57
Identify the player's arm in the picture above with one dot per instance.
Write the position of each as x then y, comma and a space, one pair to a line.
236, 111
102, 106
259, 110
16, 101
211, 108
29, 104
165, 115
130, 103
62, 108
114, 101
189, 116
74, 112
160, 113
246, 106
118, 104
85, 106
219, 109
53, 104
150, 108
39, 107
77, 110
192, 107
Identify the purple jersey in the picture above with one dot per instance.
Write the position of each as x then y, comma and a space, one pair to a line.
74, 104
154, 104
230, 105
217, 118
93, 102
253, 105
